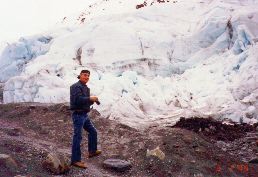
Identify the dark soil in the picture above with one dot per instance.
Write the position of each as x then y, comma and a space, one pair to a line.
216, 129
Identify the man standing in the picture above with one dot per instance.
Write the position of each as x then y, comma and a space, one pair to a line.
80, 102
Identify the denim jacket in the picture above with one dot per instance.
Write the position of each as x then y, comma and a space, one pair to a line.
80, 97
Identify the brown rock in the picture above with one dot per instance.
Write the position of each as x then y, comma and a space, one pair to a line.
56, 163
32, 107
176, 145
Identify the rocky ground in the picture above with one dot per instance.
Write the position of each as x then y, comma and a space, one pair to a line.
193, 147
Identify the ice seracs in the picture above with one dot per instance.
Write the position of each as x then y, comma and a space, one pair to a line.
148, 65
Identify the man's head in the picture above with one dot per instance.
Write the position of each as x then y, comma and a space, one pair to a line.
84, 76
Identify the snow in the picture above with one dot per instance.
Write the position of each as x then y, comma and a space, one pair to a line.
151, 65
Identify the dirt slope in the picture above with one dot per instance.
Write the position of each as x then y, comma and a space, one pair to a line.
29, 131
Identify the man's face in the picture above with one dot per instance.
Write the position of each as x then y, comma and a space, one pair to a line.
84, 77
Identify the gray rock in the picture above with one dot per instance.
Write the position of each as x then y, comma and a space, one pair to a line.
1, 91
15, 131
207, 130
44, 130
249, 115
254, 161
8, 162
213, 128
117, 164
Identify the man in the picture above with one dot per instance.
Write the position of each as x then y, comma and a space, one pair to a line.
80, 102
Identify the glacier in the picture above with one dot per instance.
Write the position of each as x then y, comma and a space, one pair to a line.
149, 65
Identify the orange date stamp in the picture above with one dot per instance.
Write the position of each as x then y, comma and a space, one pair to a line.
243, 168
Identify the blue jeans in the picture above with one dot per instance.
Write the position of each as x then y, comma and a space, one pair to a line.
82, 120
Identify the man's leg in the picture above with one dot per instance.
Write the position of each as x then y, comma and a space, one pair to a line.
78, 121
92, 136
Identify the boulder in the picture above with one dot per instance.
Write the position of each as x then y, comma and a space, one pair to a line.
8, 162
56, 163
156, 152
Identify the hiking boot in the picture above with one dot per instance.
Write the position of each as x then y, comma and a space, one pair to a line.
96, 153
79, 164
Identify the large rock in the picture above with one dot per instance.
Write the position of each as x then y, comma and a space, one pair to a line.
56, 163
156, 152
8, 162
117, 164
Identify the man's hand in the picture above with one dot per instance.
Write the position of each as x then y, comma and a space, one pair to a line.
93, 98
